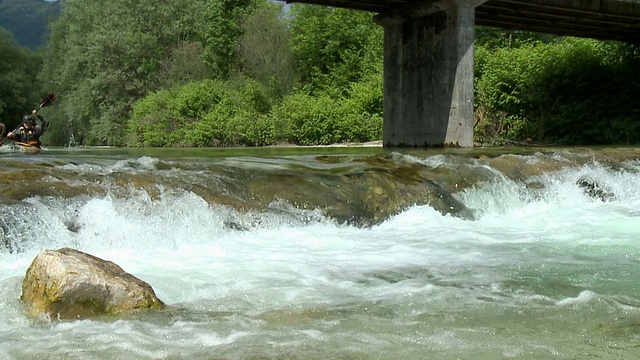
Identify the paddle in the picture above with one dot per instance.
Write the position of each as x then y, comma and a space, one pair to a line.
46, 101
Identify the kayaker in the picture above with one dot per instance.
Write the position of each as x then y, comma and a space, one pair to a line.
29, 132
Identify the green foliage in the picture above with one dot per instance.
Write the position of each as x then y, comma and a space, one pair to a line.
153, 123
184, 63
505, 75
586, 95
362, 111
345, 105
241, 73
204, 113
308, 120
238, 119
19, 89
334, 47
239, 113
163, 117
322, 120
103, 56
56, 133
573, 91
220, 30
263, 49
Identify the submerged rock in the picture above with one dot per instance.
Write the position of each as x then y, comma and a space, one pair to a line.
70, 284
364, 193
595, 190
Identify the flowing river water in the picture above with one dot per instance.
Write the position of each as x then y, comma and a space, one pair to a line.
325, 253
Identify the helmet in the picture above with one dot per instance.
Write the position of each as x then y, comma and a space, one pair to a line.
30, 121
25, 118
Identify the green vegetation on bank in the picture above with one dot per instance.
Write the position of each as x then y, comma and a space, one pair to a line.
567, 91
244, 73
19, 88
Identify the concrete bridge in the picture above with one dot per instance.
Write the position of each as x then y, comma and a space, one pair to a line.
428, 54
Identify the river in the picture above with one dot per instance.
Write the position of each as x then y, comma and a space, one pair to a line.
545, 269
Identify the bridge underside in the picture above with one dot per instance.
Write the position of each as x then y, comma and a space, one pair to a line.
604, 20
597, 19
428, 54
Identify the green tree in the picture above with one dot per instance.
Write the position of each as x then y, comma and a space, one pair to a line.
334, 47
264, 51
103, 56
248, 46
19, 89
220, 32
183, 64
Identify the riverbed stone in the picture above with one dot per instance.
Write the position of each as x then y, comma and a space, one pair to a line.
595, 190
70, 284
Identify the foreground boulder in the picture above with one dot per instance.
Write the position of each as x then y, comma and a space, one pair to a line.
70, 284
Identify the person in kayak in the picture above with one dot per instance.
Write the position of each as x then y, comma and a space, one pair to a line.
28, 133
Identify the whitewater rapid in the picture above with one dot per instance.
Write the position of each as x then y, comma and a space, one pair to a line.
539, 274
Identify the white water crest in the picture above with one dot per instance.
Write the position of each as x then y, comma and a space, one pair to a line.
547, 274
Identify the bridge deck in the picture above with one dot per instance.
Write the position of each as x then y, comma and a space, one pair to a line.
599, 19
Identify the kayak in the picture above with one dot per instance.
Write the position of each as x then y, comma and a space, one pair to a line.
21, 147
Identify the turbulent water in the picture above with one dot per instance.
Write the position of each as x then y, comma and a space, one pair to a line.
548, 269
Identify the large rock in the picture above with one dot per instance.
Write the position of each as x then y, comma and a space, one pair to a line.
70, 284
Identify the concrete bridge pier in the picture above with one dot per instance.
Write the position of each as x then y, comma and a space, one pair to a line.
428, 74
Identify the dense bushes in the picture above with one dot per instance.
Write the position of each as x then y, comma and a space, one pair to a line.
215, 113
569, 91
